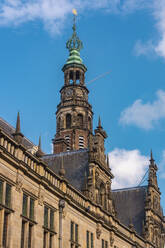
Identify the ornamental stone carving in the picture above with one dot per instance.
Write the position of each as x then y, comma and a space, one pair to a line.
98, 231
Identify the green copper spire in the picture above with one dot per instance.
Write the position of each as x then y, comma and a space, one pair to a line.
74, 45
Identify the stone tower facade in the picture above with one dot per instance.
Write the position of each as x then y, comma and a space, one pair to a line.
74, 114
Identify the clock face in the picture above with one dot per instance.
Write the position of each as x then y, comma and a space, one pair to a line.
69, 92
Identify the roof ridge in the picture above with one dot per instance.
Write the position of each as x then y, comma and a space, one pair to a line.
10, 126
130, 188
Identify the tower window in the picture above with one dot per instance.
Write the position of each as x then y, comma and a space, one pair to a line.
81, 142
77, 76
71, 76
67, 137
80, 120
68, 120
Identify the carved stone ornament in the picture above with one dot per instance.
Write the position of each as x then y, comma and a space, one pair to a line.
111, 238
40, 196
19, 182
98, 231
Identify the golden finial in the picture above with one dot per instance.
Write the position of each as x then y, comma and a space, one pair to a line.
74, 11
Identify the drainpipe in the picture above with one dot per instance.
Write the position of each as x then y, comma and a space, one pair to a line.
61, 207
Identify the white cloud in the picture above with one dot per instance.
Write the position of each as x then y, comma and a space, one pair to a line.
144, 48
157, 8
145, 115
128, 167
53, 13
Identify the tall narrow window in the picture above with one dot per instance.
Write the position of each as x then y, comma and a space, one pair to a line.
58, 123
68, 120
31, 214
5, 201
23, 234
30, 236
81, 142
5, 229
67, 137
1, 191
89, 240
104, 243
27, 221
72, 231
45, 216
74, 236
92, 240
8, 195
71, 76
49, 228
77, 76
80, 120
51, 219
24, 206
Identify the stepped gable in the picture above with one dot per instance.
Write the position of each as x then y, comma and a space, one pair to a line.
130, 206
75, 164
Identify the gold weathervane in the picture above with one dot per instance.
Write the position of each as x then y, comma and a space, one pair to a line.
74, 11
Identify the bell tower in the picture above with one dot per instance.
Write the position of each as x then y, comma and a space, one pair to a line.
74, 116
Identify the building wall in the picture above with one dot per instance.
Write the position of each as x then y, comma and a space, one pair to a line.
28, 174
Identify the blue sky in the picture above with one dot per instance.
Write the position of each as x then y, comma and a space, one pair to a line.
126, 38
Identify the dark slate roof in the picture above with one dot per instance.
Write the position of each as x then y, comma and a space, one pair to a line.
8, 129
129, 204
75, 164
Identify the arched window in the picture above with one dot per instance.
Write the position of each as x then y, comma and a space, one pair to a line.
71, 76
68, 120
58, 123
77, 76
80, 120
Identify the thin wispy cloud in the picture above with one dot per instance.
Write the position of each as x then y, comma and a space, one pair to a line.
145, 115
128, 167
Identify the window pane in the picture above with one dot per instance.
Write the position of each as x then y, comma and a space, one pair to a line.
51, 219
44, 241
30, 236
106, 244
46, 217
76, 233
51, 241
5, 228
91, 240
24, 207
87, 239
31, 215
102, 243
72, 231
23, 234
1, 191
8, 195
